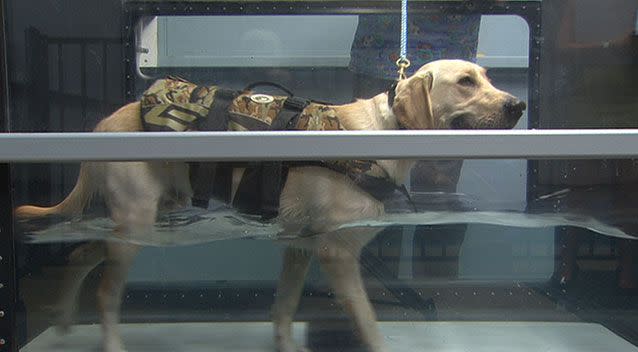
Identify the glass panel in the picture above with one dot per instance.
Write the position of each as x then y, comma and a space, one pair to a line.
463, 253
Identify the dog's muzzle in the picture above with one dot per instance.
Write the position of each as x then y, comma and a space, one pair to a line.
512, 111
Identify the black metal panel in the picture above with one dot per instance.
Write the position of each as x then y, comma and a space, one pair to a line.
8, 299
37, 80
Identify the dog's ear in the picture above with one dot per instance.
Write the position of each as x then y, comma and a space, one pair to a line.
412, 105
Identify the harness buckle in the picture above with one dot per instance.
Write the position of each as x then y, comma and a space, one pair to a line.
295, 103
262, 98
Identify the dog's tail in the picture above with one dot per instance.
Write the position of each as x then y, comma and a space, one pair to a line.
72, 205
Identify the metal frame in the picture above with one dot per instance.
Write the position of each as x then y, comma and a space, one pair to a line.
39, 46
8, 299
286, 145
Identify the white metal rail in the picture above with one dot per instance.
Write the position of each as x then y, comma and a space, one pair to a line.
242, 146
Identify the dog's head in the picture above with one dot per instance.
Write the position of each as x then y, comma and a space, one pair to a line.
454, 94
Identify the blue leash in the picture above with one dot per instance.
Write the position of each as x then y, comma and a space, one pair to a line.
403, 63
404, 28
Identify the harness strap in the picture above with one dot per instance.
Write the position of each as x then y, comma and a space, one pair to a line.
275, 174
203, 174
380, 188
217, 120
288, 116
260, 187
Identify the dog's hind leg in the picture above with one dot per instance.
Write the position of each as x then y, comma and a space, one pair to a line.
120, 256
133, 194
82, 261
291, 281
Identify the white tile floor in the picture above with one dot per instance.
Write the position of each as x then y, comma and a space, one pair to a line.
400, 336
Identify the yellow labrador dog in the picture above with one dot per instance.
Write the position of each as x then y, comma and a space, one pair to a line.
441, 94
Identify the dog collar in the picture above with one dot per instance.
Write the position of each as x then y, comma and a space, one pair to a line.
391, 95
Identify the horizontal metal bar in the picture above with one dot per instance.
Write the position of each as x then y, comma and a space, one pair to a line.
83, 40
243, 146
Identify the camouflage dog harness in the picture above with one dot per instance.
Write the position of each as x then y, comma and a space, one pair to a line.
174, 104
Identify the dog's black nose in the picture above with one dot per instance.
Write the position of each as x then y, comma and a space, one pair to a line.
514, 108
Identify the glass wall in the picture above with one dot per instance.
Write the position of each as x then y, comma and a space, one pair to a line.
253, 186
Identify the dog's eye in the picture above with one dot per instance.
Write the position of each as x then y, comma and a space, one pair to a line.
467, 81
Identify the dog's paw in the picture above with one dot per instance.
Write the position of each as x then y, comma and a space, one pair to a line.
60, 318
112, 346
114, 350
292, 347
62, 329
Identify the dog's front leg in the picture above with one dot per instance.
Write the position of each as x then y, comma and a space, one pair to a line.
120, 256
291, 281
340, 262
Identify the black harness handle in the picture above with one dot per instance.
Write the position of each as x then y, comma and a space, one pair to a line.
268, 84
283, 89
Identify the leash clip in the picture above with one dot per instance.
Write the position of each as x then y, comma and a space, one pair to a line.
402, 63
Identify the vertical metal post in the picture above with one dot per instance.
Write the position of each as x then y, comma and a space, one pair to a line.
8, 297
37, 59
